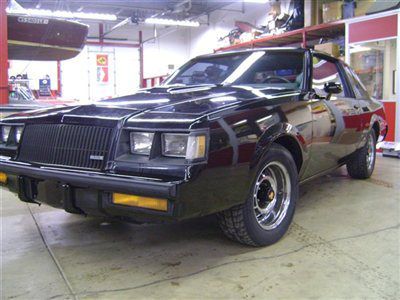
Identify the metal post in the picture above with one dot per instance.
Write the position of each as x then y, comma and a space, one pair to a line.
304, 39
141, 62
58, 78
3, 53
346, 44
101, 33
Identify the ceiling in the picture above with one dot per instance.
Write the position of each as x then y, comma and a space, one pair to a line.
139, 10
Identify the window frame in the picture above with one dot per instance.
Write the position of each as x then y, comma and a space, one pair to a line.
304, 87
348, 91
357, 82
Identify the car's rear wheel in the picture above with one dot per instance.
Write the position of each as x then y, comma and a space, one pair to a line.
266, 215
361, 165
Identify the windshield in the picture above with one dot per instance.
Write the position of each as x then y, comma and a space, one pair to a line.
275, 69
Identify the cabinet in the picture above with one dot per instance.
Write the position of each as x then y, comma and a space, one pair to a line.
372, 43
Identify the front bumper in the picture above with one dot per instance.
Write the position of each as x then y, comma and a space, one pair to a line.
127, 184
206, 191
91, 192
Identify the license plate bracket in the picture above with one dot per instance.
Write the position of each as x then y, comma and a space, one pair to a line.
28, 189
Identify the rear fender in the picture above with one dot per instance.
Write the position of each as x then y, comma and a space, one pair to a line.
383, 125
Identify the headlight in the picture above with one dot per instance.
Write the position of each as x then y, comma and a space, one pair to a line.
183, 145
174, 144
18, 133
141, 142
5, 132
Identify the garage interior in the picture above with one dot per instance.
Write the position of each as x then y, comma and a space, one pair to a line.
344, 239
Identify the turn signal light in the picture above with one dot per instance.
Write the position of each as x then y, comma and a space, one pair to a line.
196, 147
3, 178
139, 201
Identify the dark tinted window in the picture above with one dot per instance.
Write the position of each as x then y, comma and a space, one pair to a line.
358, 88
213, 70
323, 72
275, 69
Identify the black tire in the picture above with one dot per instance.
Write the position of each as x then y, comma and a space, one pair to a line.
240, 223
360, 166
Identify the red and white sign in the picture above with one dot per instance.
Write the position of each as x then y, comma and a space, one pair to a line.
102, 74
102, 68
102, 60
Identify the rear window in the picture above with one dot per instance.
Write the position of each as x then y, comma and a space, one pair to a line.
358, 88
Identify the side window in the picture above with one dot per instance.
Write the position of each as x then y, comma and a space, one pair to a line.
323, 72
358, 88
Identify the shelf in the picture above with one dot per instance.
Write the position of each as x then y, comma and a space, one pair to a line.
371, 70
327, 30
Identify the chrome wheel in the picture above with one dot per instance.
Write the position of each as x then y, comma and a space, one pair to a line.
370, 153
271, 197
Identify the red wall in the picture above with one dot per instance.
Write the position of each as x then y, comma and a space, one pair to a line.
390, 109
373, 29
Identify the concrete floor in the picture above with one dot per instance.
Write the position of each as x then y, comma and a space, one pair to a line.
344, 243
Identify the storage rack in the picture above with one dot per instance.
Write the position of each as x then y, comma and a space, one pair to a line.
299, 36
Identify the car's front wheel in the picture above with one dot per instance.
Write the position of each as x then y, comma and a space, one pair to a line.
362, 163
266, 215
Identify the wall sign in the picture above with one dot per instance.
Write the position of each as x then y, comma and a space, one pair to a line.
102, 68
44, 87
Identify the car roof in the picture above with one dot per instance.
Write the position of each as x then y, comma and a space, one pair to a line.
247, 50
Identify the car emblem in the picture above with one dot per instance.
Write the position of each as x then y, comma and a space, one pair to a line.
96, 157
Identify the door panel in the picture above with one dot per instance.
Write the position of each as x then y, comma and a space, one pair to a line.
336, 123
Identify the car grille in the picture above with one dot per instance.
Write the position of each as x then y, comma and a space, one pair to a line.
65, 145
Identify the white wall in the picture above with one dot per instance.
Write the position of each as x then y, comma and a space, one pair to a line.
78, 74
127, 70
205, 39
169, 49
74, 77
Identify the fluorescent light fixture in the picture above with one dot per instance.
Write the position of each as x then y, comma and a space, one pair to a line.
64, 14
256, 1
357, 48
170, 22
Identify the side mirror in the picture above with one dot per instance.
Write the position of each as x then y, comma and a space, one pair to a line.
332, 88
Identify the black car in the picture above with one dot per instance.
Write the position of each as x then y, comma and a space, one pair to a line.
228, 133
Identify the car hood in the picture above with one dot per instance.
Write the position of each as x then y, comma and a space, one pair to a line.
162, 104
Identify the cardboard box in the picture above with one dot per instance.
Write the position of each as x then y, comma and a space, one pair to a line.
330, 48
362, 7
332, 11
275, 9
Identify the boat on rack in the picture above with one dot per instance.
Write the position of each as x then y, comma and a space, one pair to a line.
43, 38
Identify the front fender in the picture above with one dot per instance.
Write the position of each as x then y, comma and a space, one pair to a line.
274, 133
